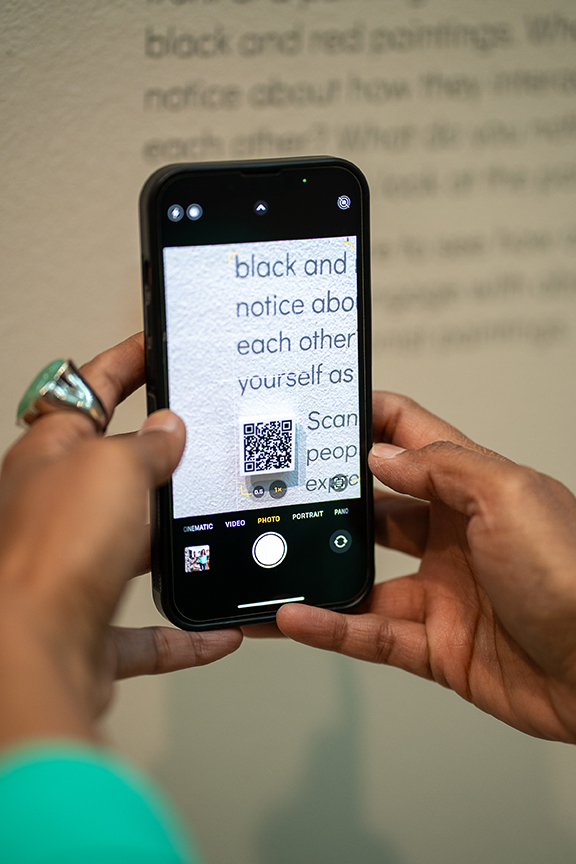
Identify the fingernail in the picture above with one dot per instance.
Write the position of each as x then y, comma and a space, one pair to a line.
160, 421
386, 451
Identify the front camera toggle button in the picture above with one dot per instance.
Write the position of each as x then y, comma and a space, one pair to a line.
340, 541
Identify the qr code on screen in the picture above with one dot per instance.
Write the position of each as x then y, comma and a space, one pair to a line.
267, 446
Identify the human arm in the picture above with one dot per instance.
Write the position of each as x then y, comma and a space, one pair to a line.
72, 532
491, 611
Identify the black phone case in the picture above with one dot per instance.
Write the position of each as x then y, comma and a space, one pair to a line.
157, 383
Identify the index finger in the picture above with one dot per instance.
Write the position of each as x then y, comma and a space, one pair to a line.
401, 421
114, 374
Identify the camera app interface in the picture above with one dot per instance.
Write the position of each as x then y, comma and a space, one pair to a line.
263, 368
262, 359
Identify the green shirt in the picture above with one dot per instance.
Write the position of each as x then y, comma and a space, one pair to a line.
72, 804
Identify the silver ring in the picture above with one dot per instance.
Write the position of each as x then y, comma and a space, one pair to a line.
60, 386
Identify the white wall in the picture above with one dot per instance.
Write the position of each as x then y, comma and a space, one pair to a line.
279, 754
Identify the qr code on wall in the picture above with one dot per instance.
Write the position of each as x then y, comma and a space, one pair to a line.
267, 446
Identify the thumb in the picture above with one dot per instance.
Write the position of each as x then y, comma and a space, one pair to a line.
159, 445
443, 471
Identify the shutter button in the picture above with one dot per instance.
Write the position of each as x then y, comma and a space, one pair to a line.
269, 549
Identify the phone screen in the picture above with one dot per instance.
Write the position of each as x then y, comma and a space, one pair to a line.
263, 353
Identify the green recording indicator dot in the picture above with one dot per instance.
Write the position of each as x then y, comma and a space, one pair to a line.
304, 180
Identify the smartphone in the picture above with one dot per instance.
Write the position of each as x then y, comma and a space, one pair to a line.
257, 330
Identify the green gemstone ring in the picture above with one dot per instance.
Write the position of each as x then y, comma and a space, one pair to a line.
60, 386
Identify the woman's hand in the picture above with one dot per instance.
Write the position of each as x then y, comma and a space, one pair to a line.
72, 532
491, 612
